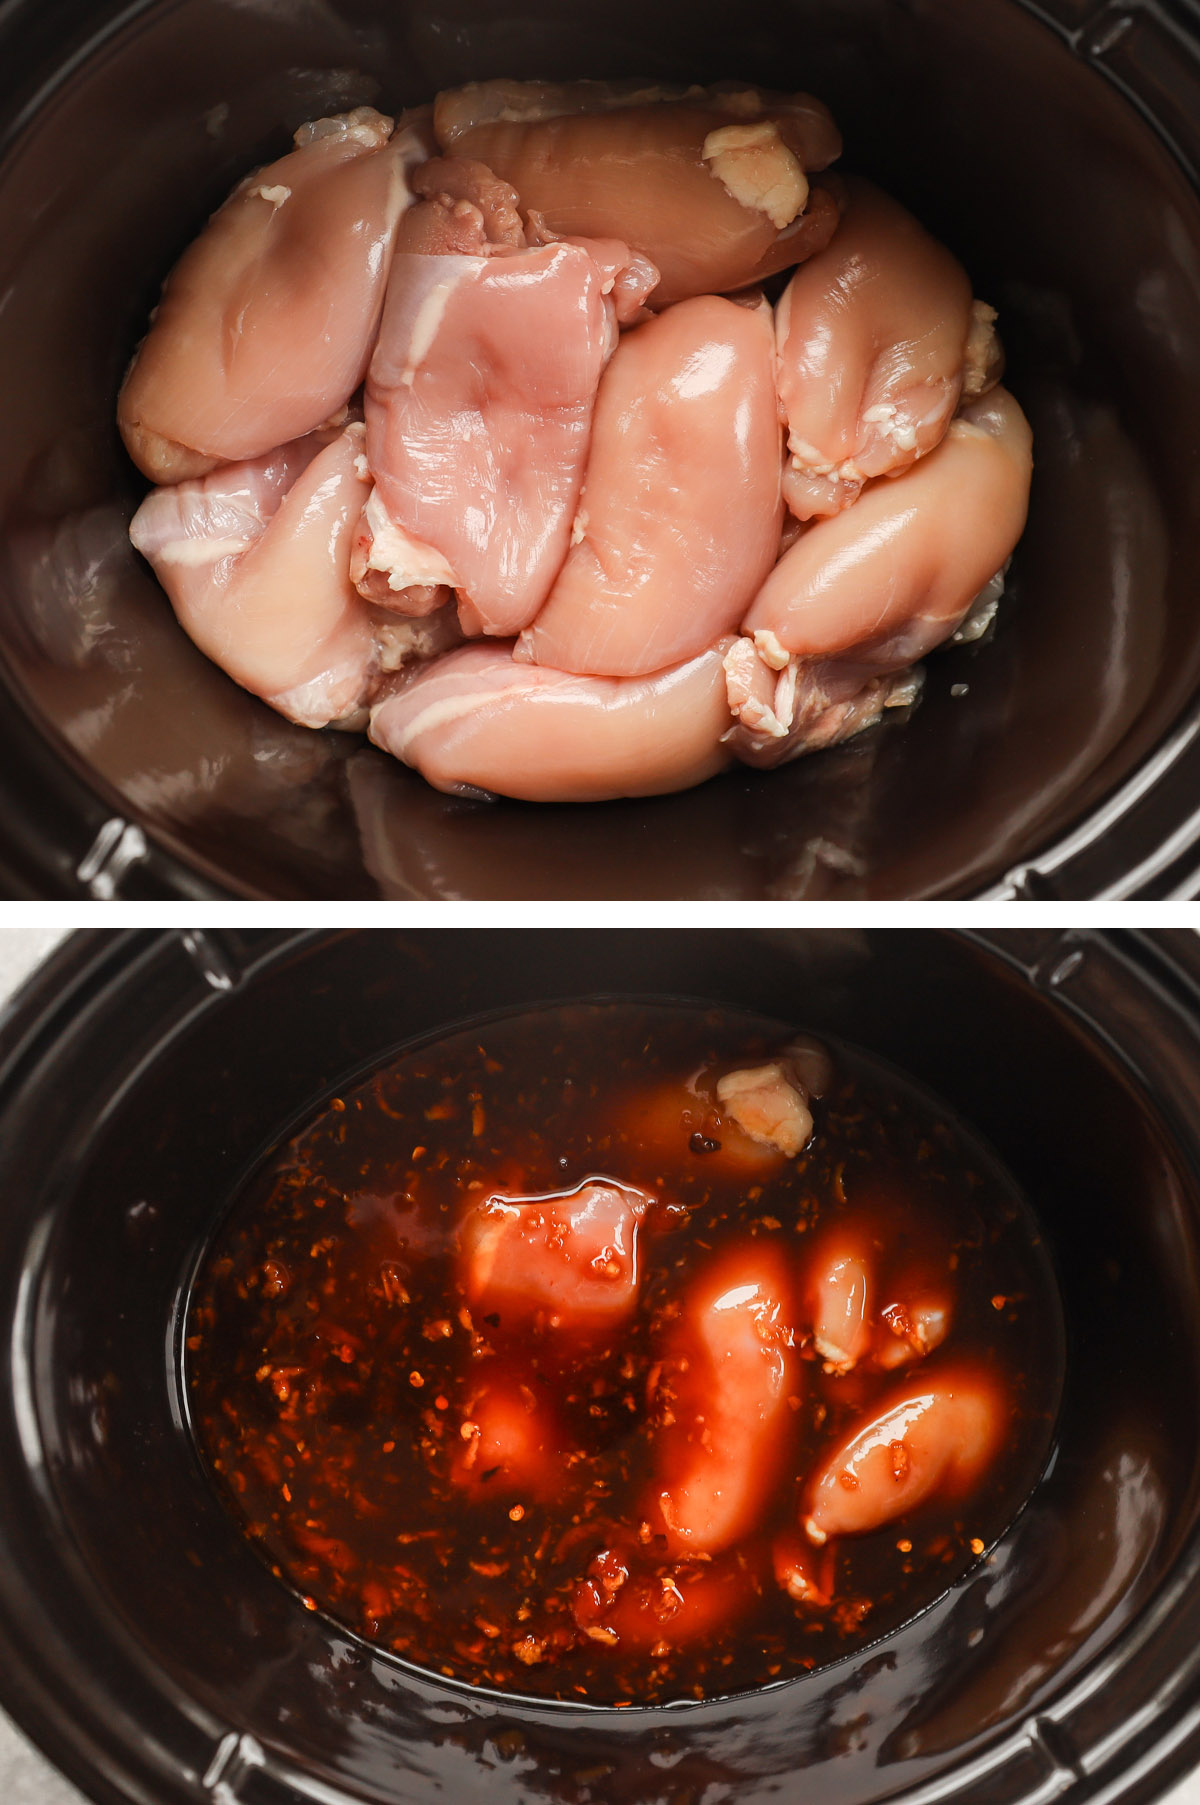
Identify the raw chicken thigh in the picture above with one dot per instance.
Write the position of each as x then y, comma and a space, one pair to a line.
710, 183
808, 705
479, 412
890, 579
860, 597
266, 324
255, 558
874, 339
477, 720
679, 519
691, 528
480, 393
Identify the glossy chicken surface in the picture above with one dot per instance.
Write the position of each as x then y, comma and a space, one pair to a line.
570, 1258
680, 512
882, 583
935, 1437
532, 1362
710, 184
700, 439
479, 413
875, 346
256, 560
267, 323
720, 1400
478, 720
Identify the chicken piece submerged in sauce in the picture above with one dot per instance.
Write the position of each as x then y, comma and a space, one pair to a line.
509, 1445
863, 1307
746, 1121
572, 1259
913, 1326
719, 1399
839, 1298
545, 1390
670, 1611
939, 1437
769, 1105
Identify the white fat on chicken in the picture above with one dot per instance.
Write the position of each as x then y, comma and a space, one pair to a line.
878, 338
476, 720
755, 166
401, 641
266, 323
982, 612
983, 364
785, 707
392, 569
255, 560
770, 1105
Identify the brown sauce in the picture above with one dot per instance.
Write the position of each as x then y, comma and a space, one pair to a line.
567, 1494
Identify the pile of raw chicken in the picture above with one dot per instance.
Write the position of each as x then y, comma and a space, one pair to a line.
481, 432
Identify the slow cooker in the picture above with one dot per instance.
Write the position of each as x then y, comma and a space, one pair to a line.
152, 1654
1053, 145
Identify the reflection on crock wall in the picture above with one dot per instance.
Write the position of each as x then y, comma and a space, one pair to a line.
601, 661
1042, 1619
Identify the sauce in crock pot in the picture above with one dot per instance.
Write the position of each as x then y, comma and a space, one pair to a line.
626, 1352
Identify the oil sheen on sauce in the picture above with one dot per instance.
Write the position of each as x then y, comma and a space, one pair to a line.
524, 1361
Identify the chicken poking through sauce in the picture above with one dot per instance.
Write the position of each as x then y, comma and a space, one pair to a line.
626, 1353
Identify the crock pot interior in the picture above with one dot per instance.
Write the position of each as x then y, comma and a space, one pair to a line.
143, 1635
1068, 211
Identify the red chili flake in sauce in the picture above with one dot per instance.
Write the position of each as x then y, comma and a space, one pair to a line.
448, 1358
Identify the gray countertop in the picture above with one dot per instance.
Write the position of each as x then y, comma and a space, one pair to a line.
26, 1778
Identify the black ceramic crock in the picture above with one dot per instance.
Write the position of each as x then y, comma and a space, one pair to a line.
154, 1657
1054, 145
